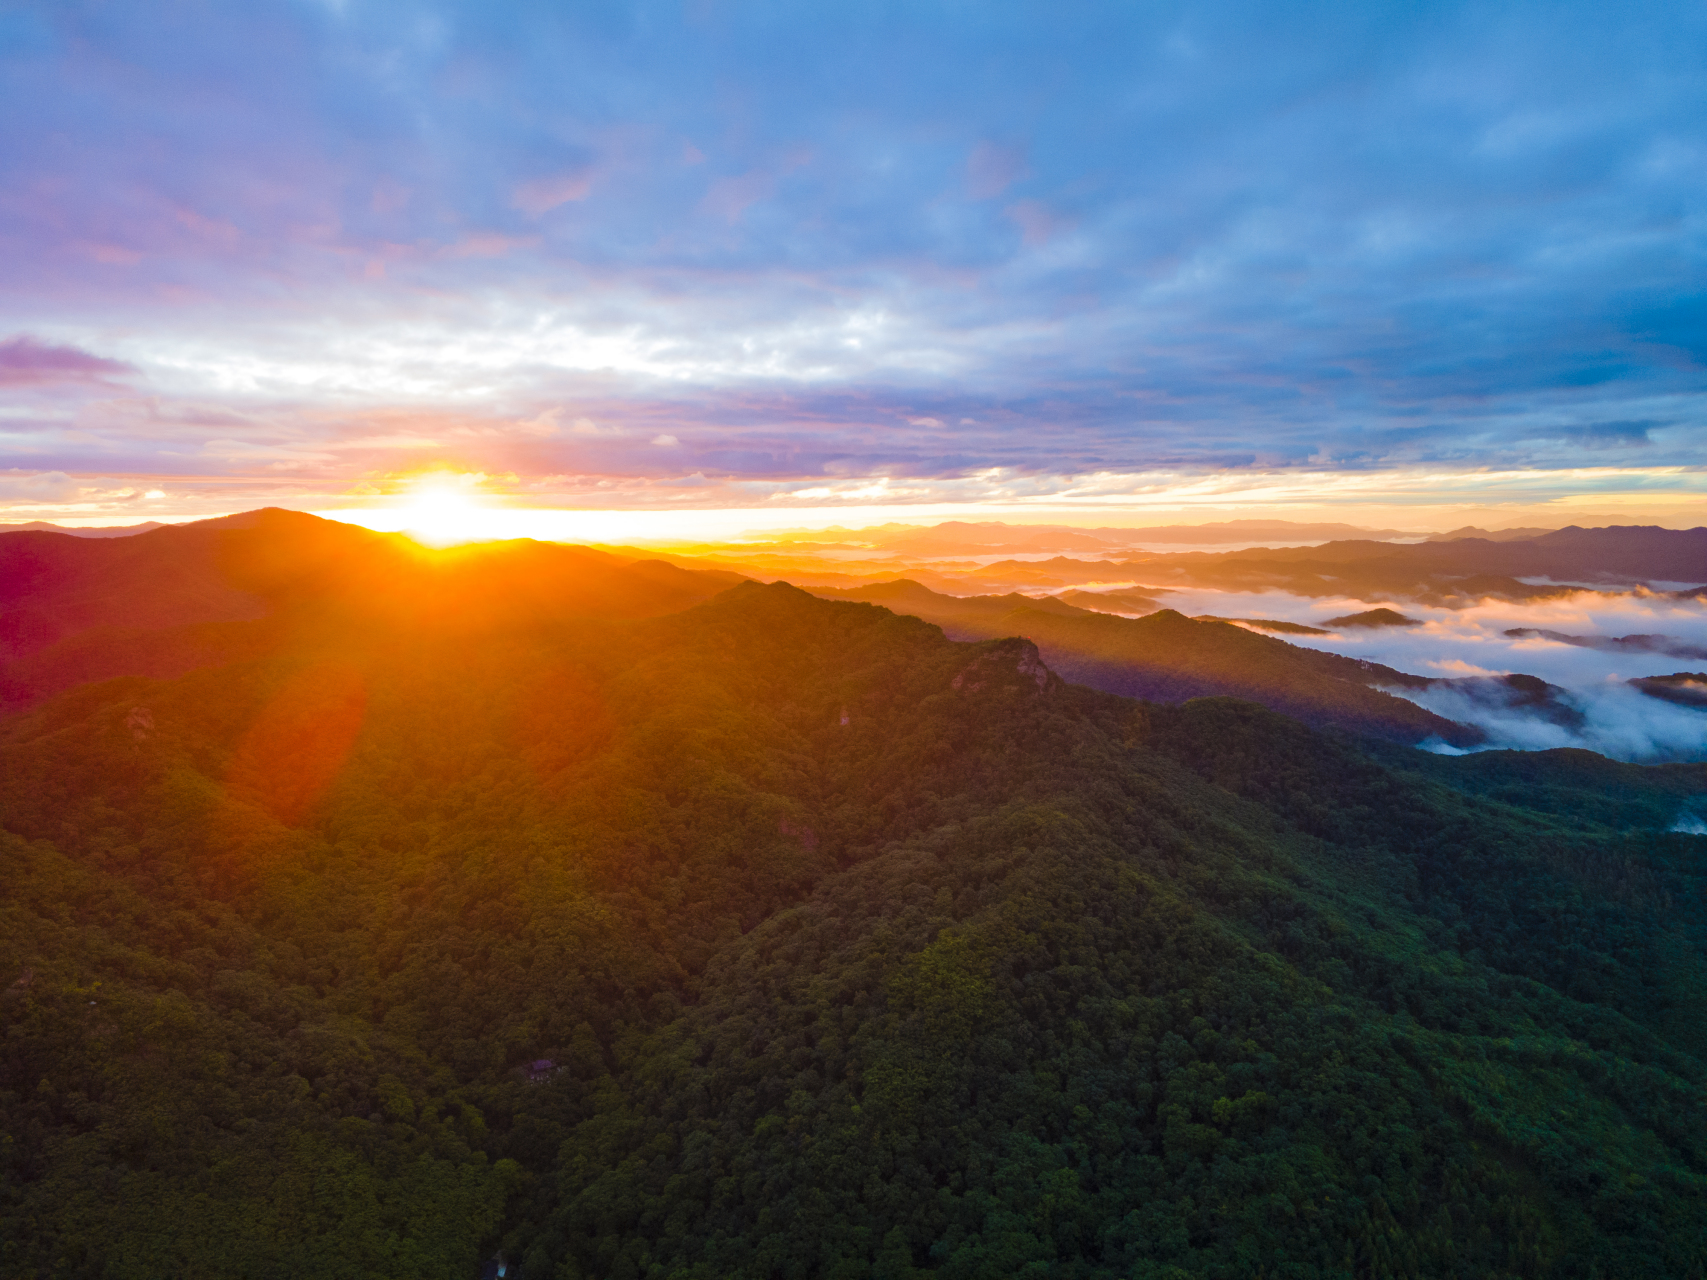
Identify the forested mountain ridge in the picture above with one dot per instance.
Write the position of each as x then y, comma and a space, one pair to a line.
1168, 657
786, 937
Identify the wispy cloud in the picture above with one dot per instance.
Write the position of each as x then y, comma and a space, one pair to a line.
28, 362
1463, 644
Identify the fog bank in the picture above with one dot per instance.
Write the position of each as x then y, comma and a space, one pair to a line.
1616, 720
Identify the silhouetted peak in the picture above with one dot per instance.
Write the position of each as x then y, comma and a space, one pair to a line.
1373, 618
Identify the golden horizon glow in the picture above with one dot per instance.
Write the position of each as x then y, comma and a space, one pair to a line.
446, 504
442, 512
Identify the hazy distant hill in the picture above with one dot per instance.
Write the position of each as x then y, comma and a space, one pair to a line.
1490, 535
1250, 531
1455, 571
782, 936
962, 538
906, 596
97, 531
1131, 602
1447, 572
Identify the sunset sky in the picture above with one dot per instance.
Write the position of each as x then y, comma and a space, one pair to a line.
783, 264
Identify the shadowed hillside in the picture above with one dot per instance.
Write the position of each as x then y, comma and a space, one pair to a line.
1168, 657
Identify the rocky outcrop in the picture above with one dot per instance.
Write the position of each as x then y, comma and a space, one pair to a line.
1012, 664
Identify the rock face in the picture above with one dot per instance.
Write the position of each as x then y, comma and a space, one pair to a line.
1012, 664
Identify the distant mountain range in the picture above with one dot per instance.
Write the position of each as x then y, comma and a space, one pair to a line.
96, 531
1488, 535
1453, 570
960, 538
1460, 570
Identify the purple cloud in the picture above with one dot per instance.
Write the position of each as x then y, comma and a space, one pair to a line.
991, 170
26, 361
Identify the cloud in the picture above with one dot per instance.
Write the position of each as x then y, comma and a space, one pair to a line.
26, 361
484, 244
1618, 720
587, 427
1602, 435
35, 487
992, 169
541, 195
729, 198
1468, 648
1036, 220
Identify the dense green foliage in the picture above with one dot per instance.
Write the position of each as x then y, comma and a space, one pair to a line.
783, 937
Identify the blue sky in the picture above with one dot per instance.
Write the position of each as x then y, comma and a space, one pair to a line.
747, 254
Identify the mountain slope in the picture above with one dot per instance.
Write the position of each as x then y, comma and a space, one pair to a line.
169, 601
1168, 657
782, 936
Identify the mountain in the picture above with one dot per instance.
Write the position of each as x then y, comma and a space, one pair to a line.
962, 538
1167, 657
1489, 535
1247, 531
1111, 601
784, 936
1671, 646
1685, 688
1453, 570
1267, 624
182, 596
1371, 618
907, 596
95, 531
1450, 572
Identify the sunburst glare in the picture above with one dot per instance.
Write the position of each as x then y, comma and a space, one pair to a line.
444, 510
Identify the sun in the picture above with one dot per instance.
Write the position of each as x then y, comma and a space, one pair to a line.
441, 512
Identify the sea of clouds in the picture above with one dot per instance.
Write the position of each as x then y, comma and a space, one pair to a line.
1618, 720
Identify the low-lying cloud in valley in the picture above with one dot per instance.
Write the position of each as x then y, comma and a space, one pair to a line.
1471, 647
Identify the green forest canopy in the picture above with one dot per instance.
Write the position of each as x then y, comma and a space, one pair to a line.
782, 937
